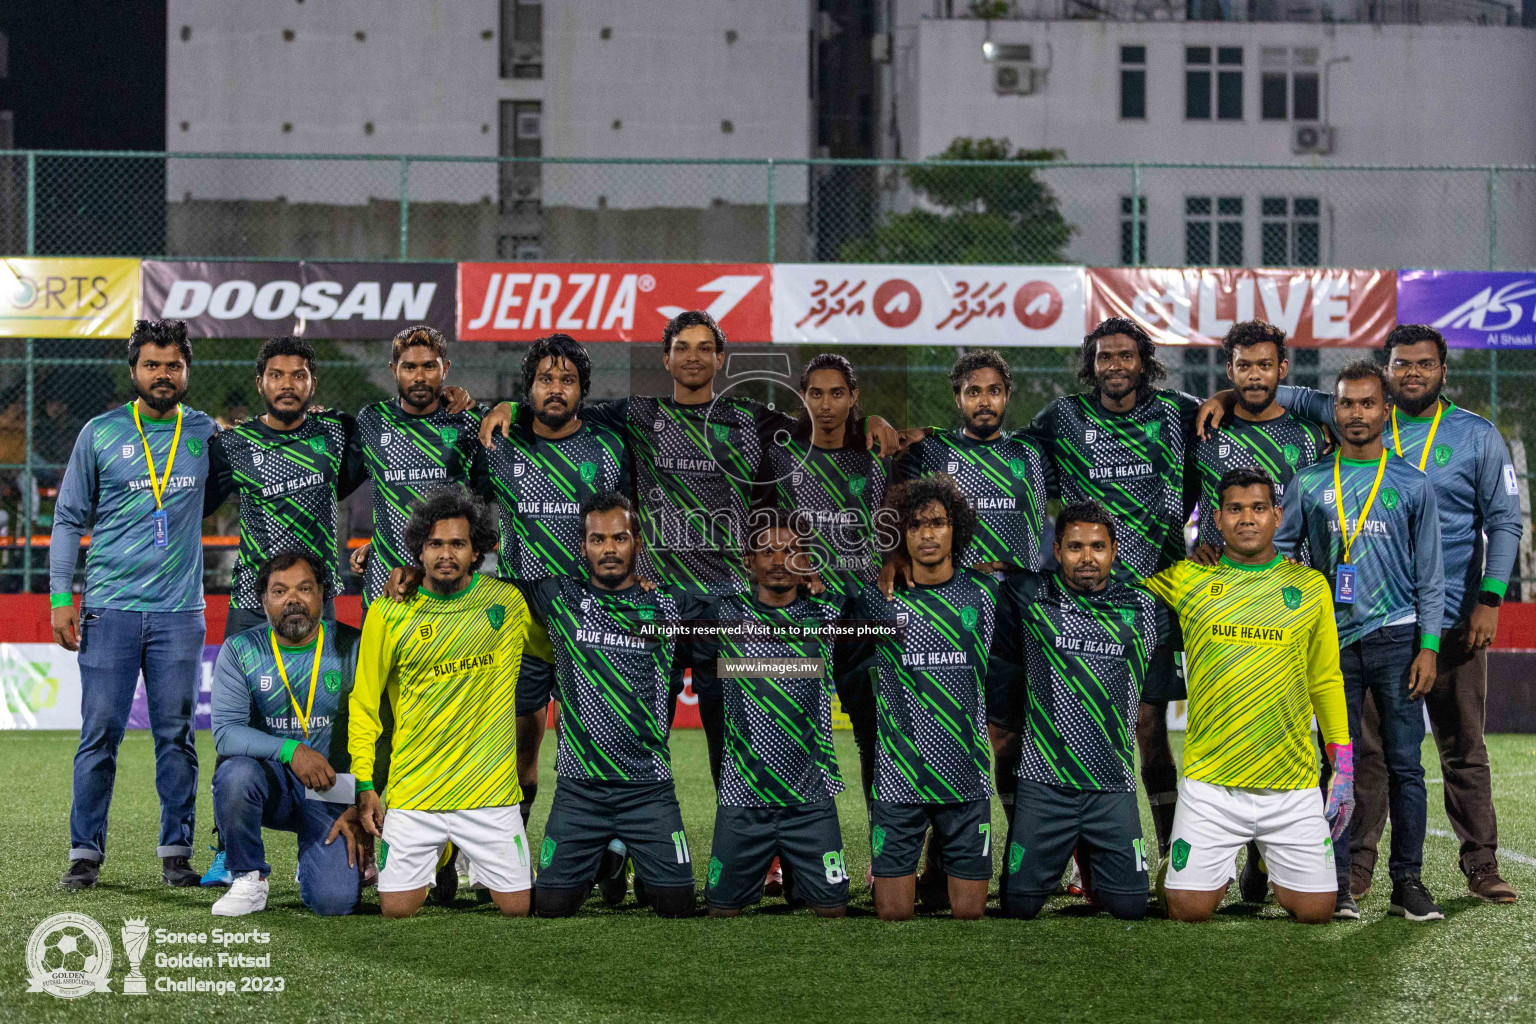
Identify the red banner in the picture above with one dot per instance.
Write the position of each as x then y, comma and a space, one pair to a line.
609, 301
1316, 307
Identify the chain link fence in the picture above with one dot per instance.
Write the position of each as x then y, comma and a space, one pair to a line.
225, 206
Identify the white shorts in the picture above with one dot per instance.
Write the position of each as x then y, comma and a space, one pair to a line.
1213, 822
491, 837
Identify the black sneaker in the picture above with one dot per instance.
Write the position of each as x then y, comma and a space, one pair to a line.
81, 875
1344, 906
1253, 883
445, 884
1412, 901
177, 871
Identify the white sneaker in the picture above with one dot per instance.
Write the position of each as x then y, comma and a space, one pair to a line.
247, 894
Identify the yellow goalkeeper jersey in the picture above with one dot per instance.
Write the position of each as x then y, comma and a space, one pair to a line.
1261, 657
450, 666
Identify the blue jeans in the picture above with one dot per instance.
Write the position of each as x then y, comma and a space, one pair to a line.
1379, 662
251, 793
115, 646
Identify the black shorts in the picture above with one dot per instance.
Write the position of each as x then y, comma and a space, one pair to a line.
586, 815
805, 837
535, 685
1165, 679
1049, 822
962, 836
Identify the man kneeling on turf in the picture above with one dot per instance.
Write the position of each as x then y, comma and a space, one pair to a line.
449, 657
933, 759
1084, 637
779, 775
1262, 658
280, 728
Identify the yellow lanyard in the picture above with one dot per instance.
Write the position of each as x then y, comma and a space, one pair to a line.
158, 486
314, 677
1428, 441
1365, 510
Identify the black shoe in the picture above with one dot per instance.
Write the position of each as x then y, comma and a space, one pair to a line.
1253, 883
178, 872
1412, 901
81, 875
1344, 906
613, 877
445, 884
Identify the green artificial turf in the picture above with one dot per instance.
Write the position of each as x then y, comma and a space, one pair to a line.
468, 963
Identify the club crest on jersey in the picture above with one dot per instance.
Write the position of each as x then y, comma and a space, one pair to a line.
1153, 430
646, 613
496, 614
266, 683
1292, 597
1127, 615
588, 472
195, 447
450, 435
1090, 436
968, 618
722, 431
519, 468
1019, 468
127, 451
659, 425
1442, 454
856, 486
952, 467
317, 445
1217, 588
333, 682
797, 479
257, 459
1222, 451
385, 438
902, 618
1389, 498
1292, 455
586, 605
425, 632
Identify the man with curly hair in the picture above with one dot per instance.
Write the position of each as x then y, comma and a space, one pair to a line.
449, 657
928, 691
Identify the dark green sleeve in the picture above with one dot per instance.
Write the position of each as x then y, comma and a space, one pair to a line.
354, 469
221, 476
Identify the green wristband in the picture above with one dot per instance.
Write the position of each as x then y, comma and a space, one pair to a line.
364, 787
60, 600
286, 754
1430, 642
1494, 586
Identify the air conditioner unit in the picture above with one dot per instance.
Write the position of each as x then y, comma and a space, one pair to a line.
1014, 78
1311, 138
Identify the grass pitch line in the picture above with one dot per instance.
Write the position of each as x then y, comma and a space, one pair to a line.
1518, 858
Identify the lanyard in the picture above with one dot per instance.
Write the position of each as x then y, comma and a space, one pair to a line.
314, 677
158, 486
1365, 510
1428, 441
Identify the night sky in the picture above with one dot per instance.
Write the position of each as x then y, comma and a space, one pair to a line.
85, 74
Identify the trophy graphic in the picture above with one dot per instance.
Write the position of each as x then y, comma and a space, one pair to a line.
135, 940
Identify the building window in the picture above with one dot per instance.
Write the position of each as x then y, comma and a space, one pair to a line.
522, 39
1128, 243
1213, 231
1133, 83
521, 183
1290, 231
1289, 83
1224, 78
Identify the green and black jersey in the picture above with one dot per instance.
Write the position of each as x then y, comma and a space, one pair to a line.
1007, 478
539, 484
1279, 447
408, 457
288, 482
612, 675
1084, 658
836, 494
1137, 464
929, 693
778, 730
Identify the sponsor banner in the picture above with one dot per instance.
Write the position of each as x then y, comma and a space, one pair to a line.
68, 298
1472, 308
609, 301
892, 304
313, 300
1316, 307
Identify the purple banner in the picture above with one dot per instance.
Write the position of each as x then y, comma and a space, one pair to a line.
1472, 308
138, 712
313, 300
